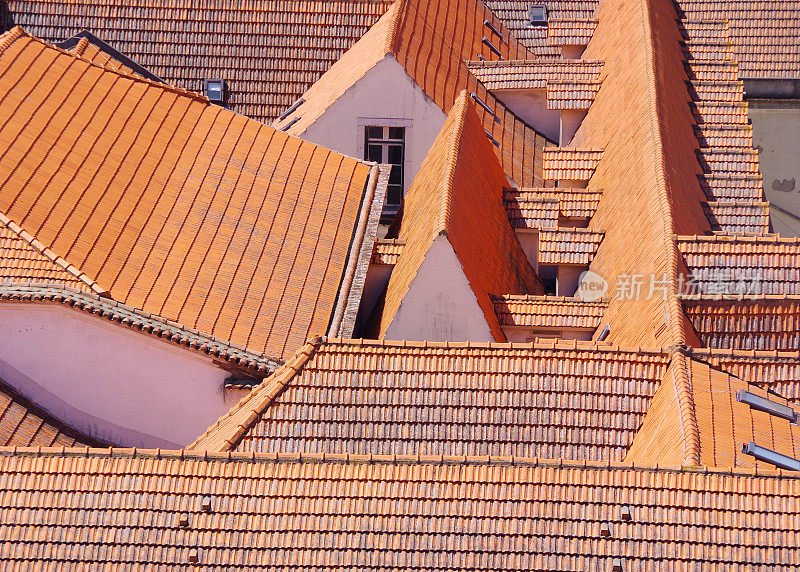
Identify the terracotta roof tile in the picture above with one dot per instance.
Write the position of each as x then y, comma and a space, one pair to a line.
548, 311
366, 512
21, 262
760, 265
747, 323
715, 90
570, 32
571, 94
764, 35
568, 245
728, 161
387, 251
719, 112
268, 53
715, 135
541, 207
197, 214
732, 187
564, 163
534, 74
458, 193
712, 70
561, 13
24, 424
572, 401
725, 424
709, 49
435, 61
735, 217
775, 371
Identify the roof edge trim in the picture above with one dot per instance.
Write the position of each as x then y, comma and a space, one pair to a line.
240, 418
31, 241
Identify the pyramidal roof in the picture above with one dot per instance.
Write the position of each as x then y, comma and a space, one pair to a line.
178, 207
458, 195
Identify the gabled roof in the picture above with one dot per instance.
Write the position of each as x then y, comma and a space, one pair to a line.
268, 52
432, 39
724, 423
458, 194
175, 509
548, 311
90, 47
179, 207
568, 245
567, 163
550, 400
533, 74
24, 424
541, 207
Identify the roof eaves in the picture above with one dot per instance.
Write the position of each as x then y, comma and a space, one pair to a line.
52, 256
138, 319
227, 431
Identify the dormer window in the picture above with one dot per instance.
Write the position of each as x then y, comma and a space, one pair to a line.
537, 14
215, 90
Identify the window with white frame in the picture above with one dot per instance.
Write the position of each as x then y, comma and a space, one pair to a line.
387, 145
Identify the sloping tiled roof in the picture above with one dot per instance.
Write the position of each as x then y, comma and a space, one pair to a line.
564, 163
24, 424
568, 245
458, 193
724, 423
551, 400
570, 32
775, 371
541, 207
765, 36
548, 311
179, 207
431, 40
533, 74
746, 322
539, 39
40, 293
267, 52
765, 265
387, 251
176, 509
571, 94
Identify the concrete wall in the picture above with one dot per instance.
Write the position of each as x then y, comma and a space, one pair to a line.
386, 96
530, 105
776, 135
439, 304
108, 381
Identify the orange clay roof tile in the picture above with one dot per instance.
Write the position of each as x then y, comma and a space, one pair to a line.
541, 207
762, 265
431, 40
732, 187
764, 35
747, 322
178, 207
268, 52
534, 74
394, 398
571, 94
458, 193
387, 251
712, 70
564, 163
432, 513
711, 135
24, 424
724, 423
548, 311
568, 245
570, 32
738, 217
778, 372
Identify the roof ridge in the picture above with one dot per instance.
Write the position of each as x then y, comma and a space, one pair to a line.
392, 36
674, 315
383, 459
10, 37
258, 400
47, 253
445, 207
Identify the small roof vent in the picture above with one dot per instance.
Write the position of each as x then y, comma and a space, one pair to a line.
769, 456
537, 14
215, 90
766, 405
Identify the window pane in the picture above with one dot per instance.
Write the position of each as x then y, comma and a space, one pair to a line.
374, 153
396, 176
396, 132
394, 194
375, 132
396, 154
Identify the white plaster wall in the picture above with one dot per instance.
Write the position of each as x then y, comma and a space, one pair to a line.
522, 334
439, 304
571, 119
529, 240
568, 278
530, 105
387, 96
108, 381
776, 135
